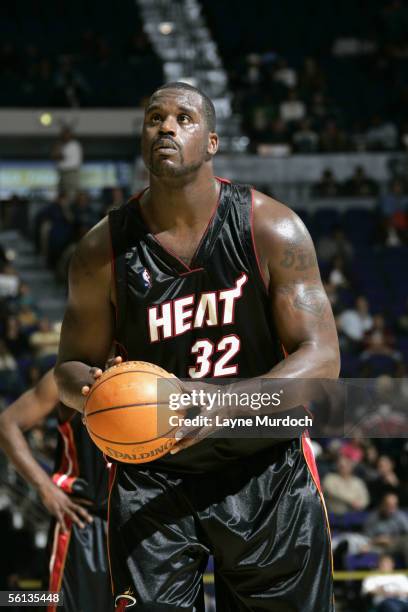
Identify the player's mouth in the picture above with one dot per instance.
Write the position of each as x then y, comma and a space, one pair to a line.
165, 146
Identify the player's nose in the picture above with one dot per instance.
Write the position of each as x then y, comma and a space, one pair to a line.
168, 126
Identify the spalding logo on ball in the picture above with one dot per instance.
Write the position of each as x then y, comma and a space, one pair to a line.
122, 412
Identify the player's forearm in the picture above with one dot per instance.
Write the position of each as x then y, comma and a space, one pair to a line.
15, 446
71, 377
303, 369
311, 360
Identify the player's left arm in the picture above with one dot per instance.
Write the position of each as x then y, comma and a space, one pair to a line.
300, 308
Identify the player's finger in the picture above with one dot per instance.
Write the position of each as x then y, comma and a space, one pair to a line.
75, 518
85, 390
114, 361
82, 512
61, 520
96, 372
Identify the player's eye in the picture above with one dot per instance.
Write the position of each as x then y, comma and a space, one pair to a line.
183, 118
155, 117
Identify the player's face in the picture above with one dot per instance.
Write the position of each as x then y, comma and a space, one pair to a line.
176, 141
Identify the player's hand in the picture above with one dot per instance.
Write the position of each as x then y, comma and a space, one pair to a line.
97, 373
60, 505
188, 435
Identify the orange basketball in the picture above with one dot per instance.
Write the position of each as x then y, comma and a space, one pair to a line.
122, 412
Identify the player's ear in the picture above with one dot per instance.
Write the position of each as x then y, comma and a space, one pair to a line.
212, 146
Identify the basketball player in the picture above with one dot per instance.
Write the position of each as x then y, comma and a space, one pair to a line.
75, 496
206, 278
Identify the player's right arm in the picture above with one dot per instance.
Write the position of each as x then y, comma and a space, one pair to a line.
23, 414
88, 326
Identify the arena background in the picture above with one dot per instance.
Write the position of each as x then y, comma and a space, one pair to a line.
312, 104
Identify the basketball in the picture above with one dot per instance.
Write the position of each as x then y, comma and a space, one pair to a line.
122, 412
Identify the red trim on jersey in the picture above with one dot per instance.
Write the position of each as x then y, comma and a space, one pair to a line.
258, 263
190, 271
69, 469
310, 460
112, 476
121, 605
58, 558
311, 464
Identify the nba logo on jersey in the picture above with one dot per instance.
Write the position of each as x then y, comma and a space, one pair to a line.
147, 280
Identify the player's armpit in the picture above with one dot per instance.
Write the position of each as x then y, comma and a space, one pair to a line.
300, 307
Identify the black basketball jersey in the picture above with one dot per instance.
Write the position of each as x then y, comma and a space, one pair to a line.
209, 319
81, 468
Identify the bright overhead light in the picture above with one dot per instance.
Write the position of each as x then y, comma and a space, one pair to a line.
166, 27
46, 119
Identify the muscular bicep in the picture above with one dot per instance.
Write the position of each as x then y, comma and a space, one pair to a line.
300, 306
88, 325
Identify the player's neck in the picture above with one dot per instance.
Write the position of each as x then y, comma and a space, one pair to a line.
184, 203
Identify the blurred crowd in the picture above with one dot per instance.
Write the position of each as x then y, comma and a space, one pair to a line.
343, 88
91, 70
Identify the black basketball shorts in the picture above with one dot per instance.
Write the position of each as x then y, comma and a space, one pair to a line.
263, 519
79, 567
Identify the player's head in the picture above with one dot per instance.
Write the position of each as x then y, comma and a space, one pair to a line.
178, 131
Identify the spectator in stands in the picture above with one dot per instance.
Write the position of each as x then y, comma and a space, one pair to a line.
382, 135
360, 185
358, 137
345, 492
335, 244
68, 155
332, 138
44, 341
27, 319
277, 133
367, 469
285, 74
379, 355
71, 87
387, 591
311, 78
117, 198
84, 216
319, 109
9, 281
387, 528
386, 480
305, 139
379, 339
327, 187
292, 109
10, 381
15, 339
395, 200
353, 449
402, 322
338, 275
355, 322
404, 135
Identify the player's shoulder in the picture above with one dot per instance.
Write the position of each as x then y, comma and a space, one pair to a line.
93, 251
274, 221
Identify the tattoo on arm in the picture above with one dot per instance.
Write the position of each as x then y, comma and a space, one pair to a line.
311, 300
298, 259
